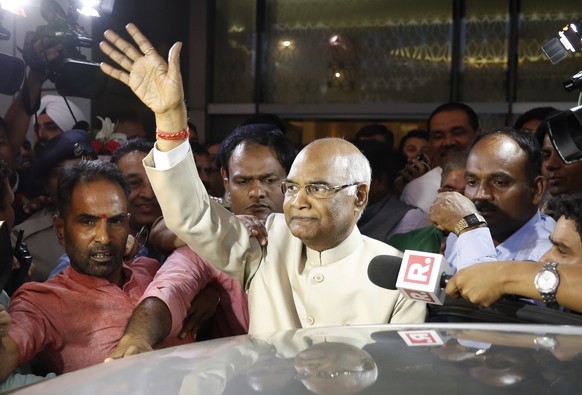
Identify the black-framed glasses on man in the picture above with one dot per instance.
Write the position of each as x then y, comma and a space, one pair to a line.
316, 190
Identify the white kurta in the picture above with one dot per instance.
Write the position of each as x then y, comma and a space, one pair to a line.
289, 285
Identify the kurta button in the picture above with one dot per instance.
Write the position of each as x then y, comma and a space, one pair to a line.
318, 277
310, 320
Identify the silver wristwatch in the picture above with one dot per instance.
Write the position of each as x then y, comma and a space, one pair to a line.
546, 282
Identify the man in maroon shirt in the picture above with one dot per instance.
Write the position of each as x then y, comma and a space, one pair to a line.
75, 319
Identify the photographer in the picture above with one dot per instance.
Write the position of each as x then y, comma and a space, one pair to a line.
41, 55
53, 115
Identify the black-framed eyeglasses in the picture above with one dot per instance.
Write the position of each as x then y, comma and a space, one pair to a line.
318, 191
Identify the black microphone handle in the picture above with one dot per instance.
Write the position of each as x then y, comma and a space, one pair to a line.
444, 280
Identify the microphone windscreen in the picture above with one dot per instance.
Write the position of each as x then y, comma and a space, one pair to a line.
383, 271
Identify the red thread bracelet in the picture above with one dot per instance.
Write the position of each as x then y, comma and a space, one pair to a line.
173, 136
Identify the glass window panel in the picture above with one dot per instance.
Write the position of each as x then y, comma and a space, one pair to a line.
356, 51
234, 51
538, 79
484, 49
221, 126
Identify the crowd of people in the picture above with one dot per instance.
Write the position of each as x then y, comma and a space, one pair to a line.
162, 244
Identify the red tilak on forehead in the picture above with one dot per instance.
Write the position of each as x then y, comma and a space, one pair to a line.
103, 216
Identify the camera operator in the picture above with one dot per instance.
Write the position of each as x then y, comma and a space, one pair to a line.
42, 55
53, 115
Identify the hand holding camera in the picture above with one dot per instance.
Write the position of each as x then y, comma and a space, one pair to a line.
40, 52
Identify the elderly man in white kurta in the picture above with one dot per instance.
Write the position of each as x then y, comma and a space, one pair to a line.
313, 272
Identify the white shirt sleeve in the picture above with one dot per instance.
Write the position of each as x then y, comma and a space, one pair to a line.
475, 246
167, 160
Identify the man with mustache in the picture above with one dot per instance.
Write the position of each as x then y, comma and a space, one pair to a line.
90, 302
451, 127
39, 233
254, 160
498, 217
75, 319
143, 205
487, 282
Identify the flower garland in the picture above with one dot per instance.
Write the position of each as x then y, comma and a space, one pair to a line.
106, 140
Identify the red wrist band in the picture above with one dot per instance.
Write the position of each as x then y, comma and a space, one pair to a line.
173, 136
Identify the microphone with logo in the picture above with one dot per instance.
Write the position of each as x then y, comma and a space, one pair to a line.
418, 275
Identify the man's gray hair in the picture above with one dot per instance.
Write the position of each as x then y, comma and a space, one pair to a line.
358, 169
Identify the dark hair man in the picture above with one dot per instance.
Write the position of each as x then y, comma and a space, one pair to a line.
253, 160
530, 120
451, 127
498, 217
562, 178
485, 283
143, 205
39, 233
75, 319
209, 173
413, 142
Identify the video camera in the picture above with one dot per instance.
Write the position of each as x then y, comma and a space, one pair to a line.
565, 128
71, 73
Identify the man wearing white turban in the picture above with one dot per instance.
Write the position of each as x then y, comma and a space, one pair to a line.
55, 116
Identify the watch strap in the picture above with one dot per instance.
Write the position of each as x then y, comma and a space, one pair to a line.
549, 298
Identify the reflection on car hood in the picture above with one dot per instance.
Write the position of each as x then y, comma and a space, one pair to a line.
389, 359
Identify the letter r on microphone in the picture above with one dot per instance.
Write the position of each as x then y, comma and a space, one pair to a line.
420, 275
419, 268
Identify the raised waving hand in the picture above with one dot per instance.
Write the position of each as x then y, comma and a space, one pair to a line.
157, 83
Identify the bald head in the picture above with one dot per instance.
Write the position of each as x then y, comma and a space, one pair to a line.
345, 161
334, 165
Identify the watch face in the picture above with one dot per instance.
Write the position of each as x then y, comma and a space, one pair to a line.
471, 220
547, 281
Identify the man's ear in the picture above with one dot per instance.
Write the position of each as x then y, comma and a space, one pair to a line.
538, 189
362, 196
59, 225
224, 176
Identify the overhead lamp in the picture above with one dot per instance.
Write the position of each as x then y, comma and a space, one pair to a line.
95, 8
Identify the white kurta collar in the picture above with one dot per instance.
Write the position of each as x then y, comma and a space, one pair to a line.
345, 248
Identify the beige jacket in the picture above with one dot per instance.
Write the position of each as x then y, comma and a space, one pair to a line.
289, 285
